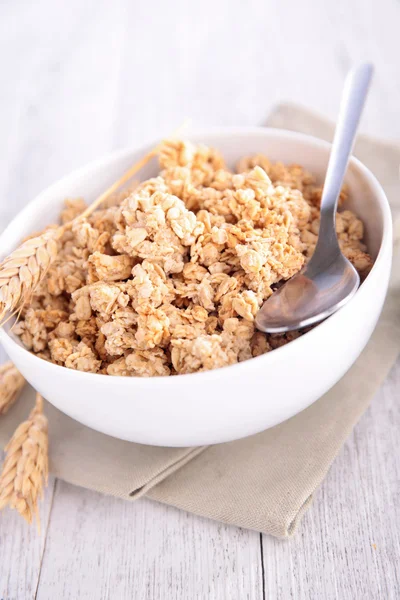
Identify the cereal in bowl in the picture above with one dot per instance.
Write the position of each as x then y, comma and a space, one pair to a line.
167, 277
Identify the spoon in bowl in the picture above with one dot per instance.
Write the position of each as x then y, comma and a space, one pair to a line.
329, 280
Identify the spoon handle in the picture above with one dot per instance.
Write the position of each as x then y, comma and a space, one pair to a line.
353, 99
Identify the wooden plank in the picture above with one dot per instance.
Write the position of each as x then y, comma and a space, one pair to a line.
348, 545
101, 547
21, 551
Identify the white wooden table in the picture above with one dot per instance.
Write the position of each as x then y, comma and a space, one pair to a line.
81, 78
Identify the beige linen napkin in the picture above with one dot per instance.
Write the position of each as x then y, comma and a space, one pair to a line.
264, 482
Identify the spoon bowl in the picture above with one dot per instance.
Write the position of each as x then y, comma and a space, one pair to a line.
310, 296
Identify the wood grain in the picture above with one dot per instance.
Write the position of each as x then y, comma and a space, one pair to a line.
21, 551
117, 549
83, 78
349, 543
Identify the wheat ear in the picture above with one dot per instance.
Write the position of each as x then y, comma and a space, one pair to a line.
11, 384
25, 468
23, 269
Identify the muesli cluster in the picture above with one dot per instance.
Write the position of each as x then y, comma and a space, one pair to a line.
168, 276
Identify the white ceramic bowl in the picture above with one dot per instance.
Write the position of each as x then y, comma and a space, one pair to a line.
236, 401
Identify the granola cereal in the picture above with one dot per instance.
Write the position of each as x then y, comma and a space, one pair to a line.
168, 276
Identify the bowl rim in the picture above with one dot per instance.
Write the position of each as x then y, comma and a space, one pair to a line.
237, 132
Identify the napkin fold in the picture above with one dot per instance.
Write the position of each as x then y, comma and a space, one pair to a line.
264, 482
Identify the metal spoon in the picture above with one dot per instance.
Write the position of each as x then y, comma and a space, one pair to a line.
329, 280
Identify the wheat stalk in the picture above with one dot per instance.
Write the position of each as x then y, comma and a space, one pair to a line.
11, 384
25, 467
131, 172
114, 187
